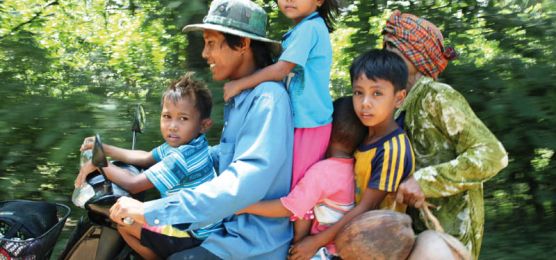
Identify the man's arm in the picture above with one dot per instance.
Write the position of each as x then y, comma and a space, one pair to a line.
260, 153
480, 155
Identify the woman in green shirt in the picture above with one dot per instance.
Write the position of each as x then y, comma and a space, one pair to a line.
455, 152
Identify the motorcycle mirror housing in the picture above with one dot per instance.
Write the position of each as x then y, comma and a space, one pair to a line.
99, 157
138, 119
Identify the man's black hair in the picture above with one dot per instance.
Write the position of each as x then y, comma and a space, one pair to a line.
262, 52
380, 64
347, 129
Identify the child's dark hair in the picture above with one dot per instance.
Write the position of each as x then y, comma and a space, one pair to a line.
328, 11
262, 51
196, 90
347, 129
380, 64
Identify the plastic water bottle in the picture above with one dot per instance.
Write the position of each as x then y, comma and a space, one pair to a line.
82, 194
86, 156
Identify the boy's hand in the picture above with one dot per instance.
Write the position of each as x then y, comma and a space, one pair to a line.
304, 249
88, 143
231, 89
87, 168
410, 193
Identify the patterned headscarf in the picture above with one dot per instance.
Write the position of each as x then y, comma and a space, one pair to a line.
420, 41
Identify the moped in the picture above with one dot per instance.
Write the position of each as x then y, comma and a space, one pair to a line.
94, 237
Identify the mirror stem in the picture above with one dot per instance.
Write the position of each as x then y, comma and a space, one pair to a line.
107, 186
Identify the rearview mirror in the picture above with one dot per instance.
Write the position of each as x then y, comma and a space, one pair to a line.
99, 158
138, 119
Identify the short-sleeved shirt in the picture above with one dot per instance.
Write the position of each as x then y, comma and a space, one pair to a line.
308, 46
186, 166
382, 165
328, 189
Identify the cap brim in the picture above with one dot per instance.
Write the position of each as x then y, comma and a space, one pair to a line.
220, 28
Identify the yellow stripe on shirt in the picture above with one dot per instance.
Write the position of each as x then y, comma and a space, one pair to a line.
392, 169
367, 167
385, 162
402, 161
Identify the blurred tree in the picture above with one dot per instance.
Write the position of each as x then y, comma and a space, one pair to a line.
69, 68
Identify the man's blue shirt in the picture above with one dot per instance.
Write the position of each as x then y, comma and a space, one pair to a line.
254, 160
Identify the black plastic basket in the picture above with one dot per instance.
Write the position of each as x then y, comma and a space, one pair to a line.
35, 248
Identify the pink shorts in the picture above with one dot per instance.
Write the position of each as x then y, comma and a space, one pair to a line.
309, 147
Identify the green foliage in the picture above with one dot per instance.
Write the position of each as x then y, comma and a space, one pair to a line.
69, 69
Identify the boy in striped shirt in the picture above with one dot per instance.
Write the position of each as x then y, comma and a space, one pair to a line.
385, 157
183, 161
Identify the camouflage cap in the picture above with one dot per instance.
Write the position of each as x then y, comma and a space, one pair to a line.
238, 17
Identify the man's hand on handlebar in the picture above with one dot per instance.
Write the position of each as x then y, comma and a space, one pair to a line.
127, 207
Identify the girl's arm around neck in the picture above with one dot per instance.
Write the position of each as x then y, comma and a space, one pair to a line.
274, 72
268, 208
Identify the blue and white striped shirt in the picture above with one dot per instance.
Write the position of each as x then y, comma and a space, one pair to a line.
186, 166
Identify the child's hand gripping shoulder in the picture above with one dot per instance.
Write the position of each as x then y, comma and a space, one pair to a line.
275, 72
231, 89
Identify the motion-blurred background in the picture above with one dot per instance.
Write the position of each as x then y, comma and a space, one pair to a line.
69, 69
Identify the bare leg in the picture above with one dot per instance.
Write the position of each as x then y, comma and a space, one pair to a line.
132, 236
301, 229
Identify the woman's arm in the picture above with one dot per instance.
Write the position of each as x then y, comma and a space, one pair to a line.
479, 155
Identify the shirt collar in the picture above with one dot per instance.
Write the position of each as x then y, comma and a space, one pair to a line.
195, 143
238, 100
313, 15
414, 90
